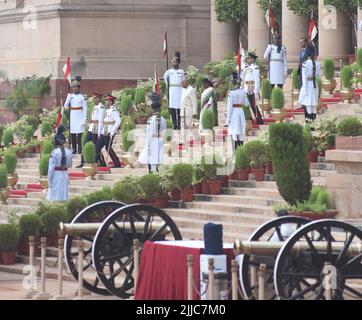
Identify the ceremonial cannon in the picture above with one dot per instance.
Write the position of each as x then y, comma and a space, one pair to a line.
297, 254
108, 230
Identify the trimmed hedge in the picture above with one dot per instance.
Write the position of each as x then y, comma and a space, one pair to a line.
350, 127
241, 159
328, 69
89, 152
127, 190
10, 161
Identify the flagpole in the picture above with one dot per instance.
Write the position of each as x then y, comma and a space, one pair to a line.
69, 120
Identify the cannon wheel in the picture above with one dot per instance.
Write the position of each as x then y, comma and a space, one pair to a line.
97, 212
113, 251
266, 232
300, 275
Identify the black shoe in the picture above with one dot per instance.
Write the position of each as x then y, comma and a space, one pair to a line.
80, 166
74, 152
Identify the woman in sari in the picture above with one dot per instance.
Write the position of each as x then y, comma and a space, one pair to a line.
208, 100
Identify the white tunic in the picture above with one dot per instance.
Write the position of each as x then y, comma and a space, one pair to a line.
78, 117
112, 121
188, 102
58, 180
236, 116
252, 73
97, 118
308, 94
278, 64
154, 150
173, 79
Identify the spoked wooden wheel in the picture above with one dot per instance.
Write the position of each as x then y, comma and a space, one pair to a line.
279, 230
301, 264
113, 244
95, 213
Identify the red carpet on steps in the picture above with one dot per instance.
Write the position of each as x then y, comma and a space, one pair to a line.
34, 187
18, 193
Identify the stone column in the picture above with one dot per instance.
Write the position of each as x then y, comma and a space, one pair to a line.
293, 28
258, 29
224, 37
335, 34
359, 34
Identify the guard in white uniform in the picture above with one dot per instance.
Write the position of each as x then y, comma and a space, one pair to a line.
59, 163
153, 152
311, 70
235, 114
276, 54
111, 124
77, 104
173, 78
96, 122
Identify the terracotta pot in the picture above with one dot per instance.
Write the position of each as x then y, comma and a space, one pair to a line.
329, 214
8, 258
187, 195
143, 201
161, 202
197, 188
233, 176
37, 149
215, 187
313, 156
175, 195
243, 174
225, 181
258, 174
205, 188
349, 143
269, 169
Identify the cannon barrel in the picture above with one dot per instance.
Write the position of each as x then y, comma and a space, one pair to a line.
268, 248
90, 229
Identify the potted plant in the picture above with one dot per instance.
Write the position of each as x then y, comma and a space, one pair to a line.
325, 132
359, 65
329, 83
278, 100
210, 164
128, 142
140, 96
28, 133
248, 118
197, 179
43, 171
47, 147
127, 190
182, 175
320, 102
167, 184
256, 151
8, 138
90, 167
150, 187
347, 79
168, 137
242, 164
266, 91
74, 206
9, 239
29, 225
126, 105
4, 190
52, 216
312, 152
208, 124
264, 138
46, 128
349, 135
10, 161
296, 85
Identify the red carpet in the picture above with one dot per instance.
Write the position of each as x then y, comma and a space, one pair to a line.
104, 169
18, 194
33, 187
76, 175
356, 96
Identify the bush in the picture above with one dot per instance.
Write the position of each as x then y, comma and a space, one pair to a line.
127, 124
8, 138
320, 87
140, 96
32, 121
127, 190
198, 175
347, 76
359, 59
278, 99
210, 164
247, 113
323, 199
350, 127
165, 114
223, 73
290, 162
126, 104
47, 147
97, 196
128, 92
257, 152
2, 128
208, 119
308, 139
52, 217
241, 159
89, 152
28, 133
328, 69
30, 225
266, 89
127, 140
108, 190
46, 128
182, 174
74, 206
84, 137
44, 164
9, 237
3, 177
314, 194
296, 81
10, 161
150, 186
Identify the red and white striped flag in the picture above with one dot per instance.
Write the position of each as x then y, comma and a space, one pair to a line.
156, 84
271, 19
66, 70
164, 52
313, 31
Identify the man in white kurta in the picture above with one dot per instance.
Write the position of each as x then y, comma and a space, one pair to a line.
77, 104
311, 70
188, 109
276, 54
173, 78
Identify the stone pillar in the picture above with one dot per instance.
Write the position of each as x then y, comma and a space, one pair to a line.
224, 37
293, 28
258, 29
359, 33
335, 39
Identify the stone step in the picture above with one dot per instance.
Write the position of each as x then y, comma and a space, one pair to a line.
322, 166
321, 173
260, 192
238, 199
33, 202
21, 209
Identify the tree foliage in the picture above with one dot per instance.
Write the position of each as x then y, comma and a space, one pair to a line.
303, 7
231, 11
276, 6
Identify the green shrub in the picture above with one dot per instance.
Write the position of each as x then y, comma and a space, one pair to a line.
223, 73
266, 89
10, 161
247, 113
347, 76
47, 147
8, 138
46, 128
210, 164
127, 124
198, 81
328, 69
127, 140
296, 81
290, 162
182, 174
308, 138
89, 152
306, 206
28, 133
126, 104
320, 87
84, 138
128, 92
2, 128
350, 127
52, 217
108, 190
212, 68
208, 119
198, 175
150, 186
3, 177
169, 131
314, 194
241, 159
278, 99
30, 225
165, 114
75, 205
323, 199
97, 196
9, 237
359, 59
257, 152
44, 164
140, 96
32, 121
127, 190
